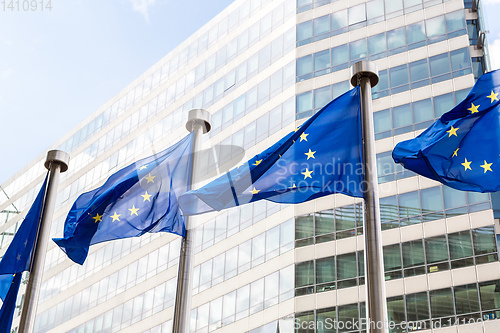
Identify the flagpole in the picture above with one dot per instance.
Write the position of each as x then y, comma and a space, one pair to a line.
198, 123
56, 162
365, 74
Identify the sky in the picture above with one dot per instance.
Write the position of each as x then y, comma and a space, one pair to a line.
58, 66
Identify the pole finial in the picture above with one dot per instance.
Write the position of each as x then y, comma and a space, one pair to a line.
364, 68
198, 116
59, 157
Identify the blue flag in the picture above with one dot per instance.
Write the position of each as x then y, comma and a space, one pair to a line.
461, 149
139, 198
321, 157
17, 259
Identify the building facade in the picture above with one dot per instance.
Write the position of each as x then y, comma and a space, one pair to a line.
261, 68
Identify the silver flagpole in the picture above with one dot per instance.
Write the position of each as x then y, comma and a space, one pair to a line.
198, 123
365, 74
56, 162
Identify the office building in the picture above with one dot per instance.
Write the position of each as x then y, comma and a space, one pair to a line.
261, 68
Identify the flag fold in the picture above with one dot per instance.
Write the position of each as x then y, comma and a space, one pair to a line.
462, 148
139, 198
17, 259
321, 157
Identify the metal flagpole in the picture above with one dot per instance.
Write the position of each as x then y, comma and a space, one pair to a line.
198, 123
365, 74
56, 162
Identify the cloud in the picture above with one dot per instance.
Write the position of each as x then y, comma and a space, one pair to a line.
494, 49
6, 74
143, 7
487, 2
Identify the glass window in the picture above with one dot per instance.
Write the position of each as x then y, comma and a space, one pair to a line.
417, 307
304, 65
436, 249
345, 218
348, 314
423, 111
460, 59
375, 11
322, 96
490, 295
304, 317
231, 263
409, 204
325, 316
271, 289
413, 253
439, 64
455, 21
304, 102
244, 255
229, 307
325, 222
215, 313
396, 38
382, 121
454, 198
432, 201
322, 25
357, 14
396, 310
435, 26
339, 22
377, 44
392, 6
398, 75
415, 33
392, 257
325, 270
304, 273
322, 61
242, 301
441, 303
346, 266
304, 226
419, 70
257, 296
443, 104
340, 55
388, 209
358, 49
304, 30
401, 116
460, 245
286, 282
484, 240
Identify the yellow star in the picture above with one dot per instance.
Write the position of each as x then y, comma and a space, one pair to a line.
143, 167
296, 129
466, 165
307, 173
493, 96
303, 136
254, 191
293, 186
473, 108
257, 162
146, 196
455, 153
97, 218
150, 178
486, 167
452, 131
116, 217
310, 154
133, 211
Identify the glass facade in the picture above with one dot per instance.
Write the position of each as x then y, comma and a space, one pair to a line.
260, 68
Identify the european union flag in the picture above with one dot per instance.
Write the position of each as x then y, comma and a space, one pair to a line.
137, 199
462, 148
17, 259
321, 157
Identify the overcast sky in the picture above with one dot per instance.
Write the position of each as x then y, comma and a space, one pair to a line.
59, 66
